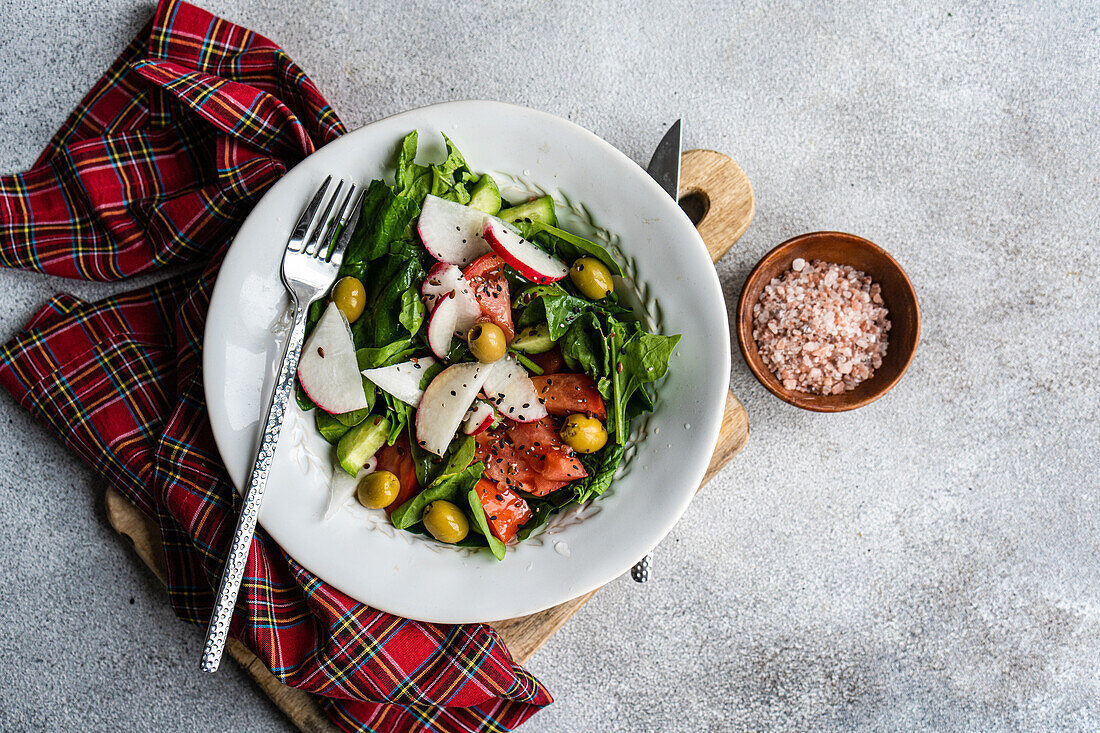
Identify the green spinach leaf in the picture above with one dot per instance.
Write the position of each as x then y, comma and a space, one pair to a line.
452, 488
458, 457
584, 345
638, 359
601, 467
566, 245
477, 512
412, 310
554, 305
391, 353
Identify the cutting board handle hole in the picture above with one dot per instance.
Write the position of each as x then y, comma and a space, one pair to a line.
695, 204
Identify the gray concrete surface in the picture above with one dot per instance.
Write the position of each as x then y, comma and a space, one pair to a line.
927, 562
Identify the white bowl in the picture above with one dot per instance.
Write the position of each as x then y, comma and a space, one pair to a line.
598, 189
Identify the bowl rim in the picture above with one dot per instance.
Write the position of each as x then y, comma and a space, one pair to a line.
751, 353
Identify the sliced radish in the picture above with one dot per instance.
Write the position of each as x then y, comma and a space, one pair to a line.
436, 284
510, 390
445, 402
452, 232
343, 487
530, 261
441, 326
402, 380
478, 418
445, 280
327, 369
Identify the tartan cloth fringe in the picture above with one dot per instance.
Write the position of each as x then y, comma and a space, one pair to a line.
157, 166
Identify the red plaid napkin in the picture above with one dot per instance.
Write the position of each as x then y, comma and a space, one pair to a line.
158, 166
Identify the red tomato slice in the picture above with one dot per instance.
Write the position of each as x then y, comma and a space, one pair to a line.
504, 508
397, 459
486, 276
564, 394
538, 434
559, 463
490, 264
551, 362
529, 457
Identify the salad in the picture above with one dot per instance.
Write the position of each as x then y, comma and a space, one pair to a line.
472, 365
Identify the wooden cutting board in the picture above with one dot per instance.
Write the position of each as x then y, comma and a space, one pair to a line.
717, 195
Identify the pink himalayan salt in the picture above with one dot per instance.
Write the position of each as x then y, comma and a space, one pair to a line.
821, 327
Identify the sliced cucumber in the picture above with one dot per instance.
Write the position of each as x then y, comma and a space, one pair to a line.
540, 209
360, 443
485, 195
329, 427
533, 339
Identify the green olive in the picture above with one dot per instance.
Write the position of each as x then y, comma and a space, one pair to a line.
350, 297
591, 277
378, 490
446, 522
583, 434
487, 342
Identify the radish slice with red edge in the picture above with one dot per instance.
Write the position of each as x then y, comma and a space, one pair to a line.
327, 369
527, 259
451, 232
441, 326
511, 391
478, 418
445, 402
442, 281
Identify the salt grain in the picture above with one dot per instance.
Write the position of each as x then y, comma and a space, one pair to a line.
821, 327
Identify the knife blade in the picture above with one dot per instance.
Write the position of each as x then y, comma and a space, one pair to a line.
664, 166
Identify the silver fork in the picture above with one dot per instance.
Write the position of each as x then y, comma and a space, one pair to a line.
310, 264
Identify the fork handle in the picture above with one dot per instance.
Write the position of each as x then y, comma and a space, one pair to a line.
233, 572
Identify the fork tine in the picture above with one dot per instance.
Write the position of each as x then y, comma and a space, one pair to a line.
351, 218
324, 249
314, 242
294, 243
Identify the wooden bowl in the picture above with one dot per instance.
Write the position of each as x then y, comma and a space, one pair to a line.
897, 292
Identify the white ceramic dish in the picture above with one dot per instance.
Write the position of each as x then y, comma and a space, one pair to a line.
358, 551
